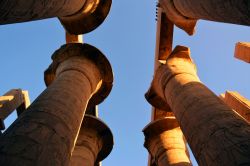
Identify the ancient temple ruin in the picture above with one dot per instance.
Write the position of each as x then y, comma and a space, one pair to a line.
47, 133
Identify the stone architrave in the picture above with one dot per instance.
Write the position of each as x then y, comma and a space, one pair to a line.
215, 133
45, 134
15, 99
242, 51
238, 103
77, 16
165, 143
94, 143
184, 13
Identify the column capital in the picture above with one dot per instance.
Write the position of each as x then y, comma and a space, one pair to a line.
103, 131
91, 53
178, 62
92, 14
242, 51
181, 21
159, 126
164, 141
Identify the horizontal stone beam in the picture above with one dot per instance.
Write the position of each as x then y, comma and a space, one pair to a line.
238, 103
15, 99
164, 37
242, 51
12, 100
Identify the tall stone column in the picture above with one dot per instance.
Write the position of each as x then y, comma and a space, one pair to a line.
94, 142
158, 137
77, 16
165, 143
215, 133
46, 133
184, 12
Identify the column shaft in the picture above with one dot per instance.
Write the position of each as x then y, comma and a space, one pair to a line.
27, 10
174, 147
87, 148
215, 133
77, 16
46, 133
228, 11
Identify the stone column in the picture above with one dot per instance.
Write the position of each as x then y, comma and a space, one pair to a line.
94, 142
164, 115
77, 16
184, 12
215, 133
165, 142
46, 133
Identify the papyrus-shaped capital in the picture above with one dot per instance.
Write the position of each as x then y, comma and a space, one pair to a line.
179, 62
92, 54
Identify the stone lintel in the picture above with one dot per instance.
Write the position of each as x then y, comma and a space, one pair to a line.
25, 104
93, 54
13, 99
238, 103
164, 36
242, 51
88, 18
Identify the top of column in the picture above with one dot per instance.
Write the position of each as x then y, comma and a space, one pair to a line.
95, 56
179, 56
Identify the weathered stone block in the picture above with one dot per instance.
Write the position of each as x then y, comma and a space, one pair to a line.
242, 51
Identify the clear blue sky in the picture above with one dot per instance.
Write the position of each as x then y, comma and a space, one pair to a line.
127, 38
